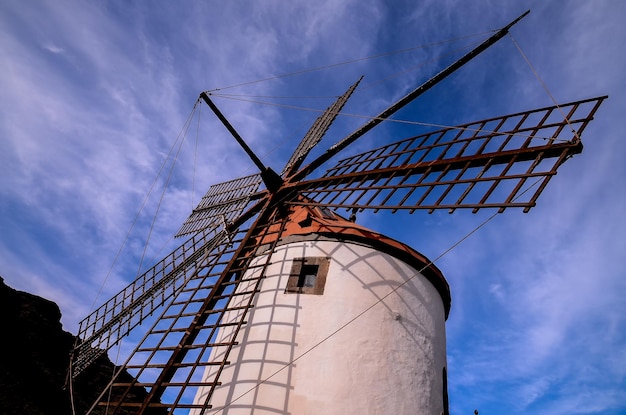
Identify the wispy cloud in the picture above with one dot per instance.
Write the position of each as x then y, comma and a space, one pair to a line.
53, 48
94, 97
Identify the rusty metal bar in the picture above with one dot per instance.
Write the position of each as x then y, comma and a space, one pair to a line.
271, 179
471, 185
331, 152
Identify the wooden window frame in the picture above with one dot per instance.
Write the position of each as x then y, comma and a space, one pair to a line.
295, 275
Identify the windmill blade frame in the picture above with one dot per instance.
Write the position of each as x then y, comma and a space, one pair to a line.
171, 358
458, 167
222, 204
116, 318
317, 131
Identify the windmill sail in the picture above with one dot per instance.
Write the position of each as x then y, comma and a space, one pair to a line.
107, 325
115, 319
172, 357
317, 131
459, 167
223, 203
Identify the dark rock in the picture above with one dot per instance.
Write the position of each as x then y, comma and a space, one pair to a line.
34, 359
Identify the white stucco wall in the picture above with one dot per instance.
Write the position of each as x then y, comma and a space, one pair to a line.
389, 360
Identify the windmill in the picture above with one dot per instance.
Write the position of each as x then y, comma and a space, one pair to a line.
268, 262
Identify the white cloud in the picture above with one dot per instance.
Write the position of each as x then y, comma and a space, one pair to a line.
94, 97
53, 48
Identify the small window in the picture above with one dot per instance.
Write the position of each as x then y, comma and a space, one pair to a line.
308, 275
327, 212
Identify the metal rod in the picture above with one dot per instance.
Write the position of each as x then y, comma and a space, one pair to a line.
234, 132
271, 179
404, 101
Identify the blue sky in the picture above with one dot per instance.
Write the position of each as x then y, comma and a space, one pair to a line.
96, 93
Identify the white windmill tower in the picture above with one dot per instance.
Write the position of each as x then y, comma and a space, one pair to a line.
278, 305
345, 321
